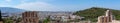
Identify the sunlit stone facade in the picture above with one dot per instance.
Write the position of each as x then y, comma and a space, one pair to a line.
30, 17
107, 18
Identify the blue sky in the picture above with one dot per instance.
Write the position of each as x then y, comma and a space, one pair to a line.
59, 5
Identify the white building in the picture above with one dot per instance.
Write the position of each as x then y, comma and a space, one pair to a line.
65, 17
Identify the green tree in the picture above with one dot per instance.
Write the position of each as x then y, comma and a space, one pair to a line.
19, 20
7, 20
47, 20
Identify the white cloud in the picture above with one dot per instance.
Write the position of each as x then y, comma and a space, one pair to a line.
36, 6
5, 5
8, 0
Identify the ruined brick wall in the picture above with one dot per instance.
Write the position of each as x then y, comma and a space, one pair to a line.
30, 17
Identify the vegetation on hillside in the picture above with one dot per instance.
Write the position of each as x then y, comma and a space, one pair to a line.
94, 12
7, 20
46, 20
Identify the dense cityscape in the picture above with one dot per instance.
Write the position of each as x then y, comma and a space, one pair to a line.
59, 11
55, 17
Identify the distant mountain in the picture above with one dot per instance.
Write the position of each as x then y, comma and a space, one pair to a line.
94, 12
10, 10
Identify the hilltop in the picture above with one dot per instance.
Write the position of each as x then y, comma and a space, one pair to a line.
94, 12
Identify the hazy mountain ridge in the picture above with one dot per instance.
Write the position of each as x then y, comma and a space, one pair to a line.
10, 10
